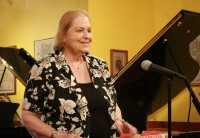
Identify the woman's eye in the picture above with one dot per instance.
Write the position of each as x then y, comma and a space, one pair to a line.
89, 31
79, 30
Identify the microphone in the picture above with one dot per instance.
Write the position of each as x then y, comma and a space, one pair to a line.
149, 66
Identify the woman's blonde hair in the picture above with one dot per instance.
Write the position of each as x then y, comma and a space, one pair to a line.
64, 24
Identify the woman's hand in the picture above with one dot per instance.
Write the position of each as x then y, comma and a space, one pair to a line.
122, 126
125, 128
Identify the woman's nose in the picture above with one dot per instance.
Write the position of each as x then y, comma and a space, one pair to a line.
86, 34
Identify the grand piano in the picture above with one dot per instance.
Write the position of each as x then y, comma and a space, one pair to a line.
13, 60
141, 93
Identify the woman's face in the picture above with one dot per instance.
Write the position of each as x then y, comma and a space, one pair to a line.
78, 37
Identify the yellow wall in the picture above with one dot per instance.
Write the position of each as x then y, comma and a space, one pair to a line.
116, 24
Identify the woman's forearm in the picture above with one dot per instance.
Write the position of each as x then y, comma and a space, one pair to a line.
34, 125
118, 113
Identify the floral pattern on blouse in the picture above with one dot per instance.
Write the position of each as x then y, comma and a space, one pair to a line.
52, 91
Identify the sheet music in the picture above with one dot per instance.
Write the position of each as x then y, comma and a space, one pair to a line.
194, 48
7, 85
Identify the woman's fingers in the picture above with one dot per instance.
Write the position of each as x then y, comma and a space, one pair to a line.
128, 128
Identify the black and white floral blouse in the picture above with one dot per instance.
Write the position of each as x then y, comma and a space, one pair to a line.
52, 91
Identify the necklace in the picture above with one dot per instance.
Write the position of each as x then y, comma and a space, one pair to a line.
75, 66
78, 67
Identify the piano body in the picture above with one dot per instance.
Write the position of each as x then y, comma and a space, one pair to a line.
140, 93
13, 59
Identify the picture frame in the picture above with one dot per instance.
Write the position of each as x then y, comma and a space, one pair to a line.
43, 47
118, 59
7, 79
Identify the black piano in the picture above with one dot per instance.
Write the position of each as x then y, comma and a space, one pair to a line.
13, 60
140, 92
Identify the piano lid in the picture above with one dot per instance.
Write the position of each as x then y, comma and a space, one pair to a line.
141, 93
18, 61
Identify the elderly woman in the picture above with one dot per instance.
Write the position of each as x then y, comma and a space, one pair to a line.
69, 93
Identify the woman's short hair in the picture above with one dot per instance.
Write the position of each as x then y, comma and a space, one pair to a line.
64, 24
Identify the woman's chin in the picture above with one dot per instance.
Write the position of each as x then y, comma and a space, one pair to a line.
86, 50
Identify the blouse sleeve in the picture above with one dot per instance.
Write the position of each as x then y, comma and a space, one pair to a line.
36, 91
107, 77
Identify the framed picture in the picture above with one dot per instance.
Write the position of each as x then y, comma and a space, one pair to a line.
43, 47
7, 79
118, 59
